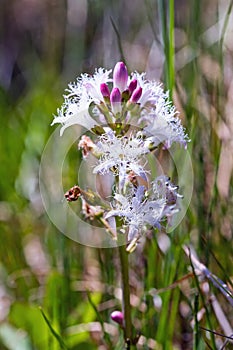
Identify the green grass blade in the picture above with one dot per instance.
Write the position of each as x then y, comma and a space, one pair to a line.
54, 333
99, 318
166, 15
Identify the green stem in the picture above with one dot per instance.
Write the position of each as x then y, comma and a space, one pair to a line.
126, 308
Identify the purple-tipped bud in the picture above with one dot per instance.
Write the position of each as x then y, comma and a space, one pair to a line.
115, 95
117, 316
132, 85
115, 99
120, 76
104, 90
136, 95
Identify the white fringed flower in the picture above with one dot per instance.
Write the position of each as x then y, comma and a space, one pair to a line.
120, 154
158, 116
80, 95
141, 209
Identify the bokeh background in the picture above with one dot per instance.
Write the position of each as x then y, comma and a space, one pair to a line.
56, 293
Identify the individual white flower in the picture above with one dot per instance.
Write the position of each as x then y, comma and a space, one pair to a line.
140, 208
80, 95
73, 113
164, 128
120, 154
158, 116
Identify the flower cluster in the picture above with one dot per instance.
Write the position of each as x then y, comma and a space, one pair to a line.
129, 116
120, 101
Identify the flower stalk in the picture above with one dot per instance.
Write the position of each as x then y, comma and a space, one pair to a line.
126, 307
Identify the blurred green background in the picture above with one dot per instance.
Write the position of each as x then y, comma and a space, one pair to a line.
44, 44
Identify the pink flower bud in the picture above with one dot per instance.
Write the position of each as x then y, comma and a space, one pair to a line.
104, 90
120, 76
136, 95
117, 316
132, 85
115, 99
115, 95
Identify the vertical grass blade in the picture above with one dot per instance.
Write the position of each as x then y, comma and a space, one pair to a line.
54, 333
166, 16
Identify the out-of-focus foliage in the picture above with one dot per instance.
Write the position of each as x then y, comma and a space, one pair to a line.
45, 44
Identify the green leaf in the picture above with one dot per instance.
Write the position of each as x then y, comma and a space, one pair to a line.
28, 318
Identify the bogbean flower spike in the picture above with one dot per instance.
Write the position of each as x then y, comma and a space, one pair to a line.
129, 117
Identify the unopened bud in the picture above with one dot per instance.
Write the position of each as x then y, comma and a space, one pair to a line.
115, 99
118, 317
136, 95
132, 85
120, 76
104, 90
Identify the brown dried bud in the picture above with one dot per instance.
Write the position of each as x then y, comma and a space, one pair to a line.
73, 194
86, 145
